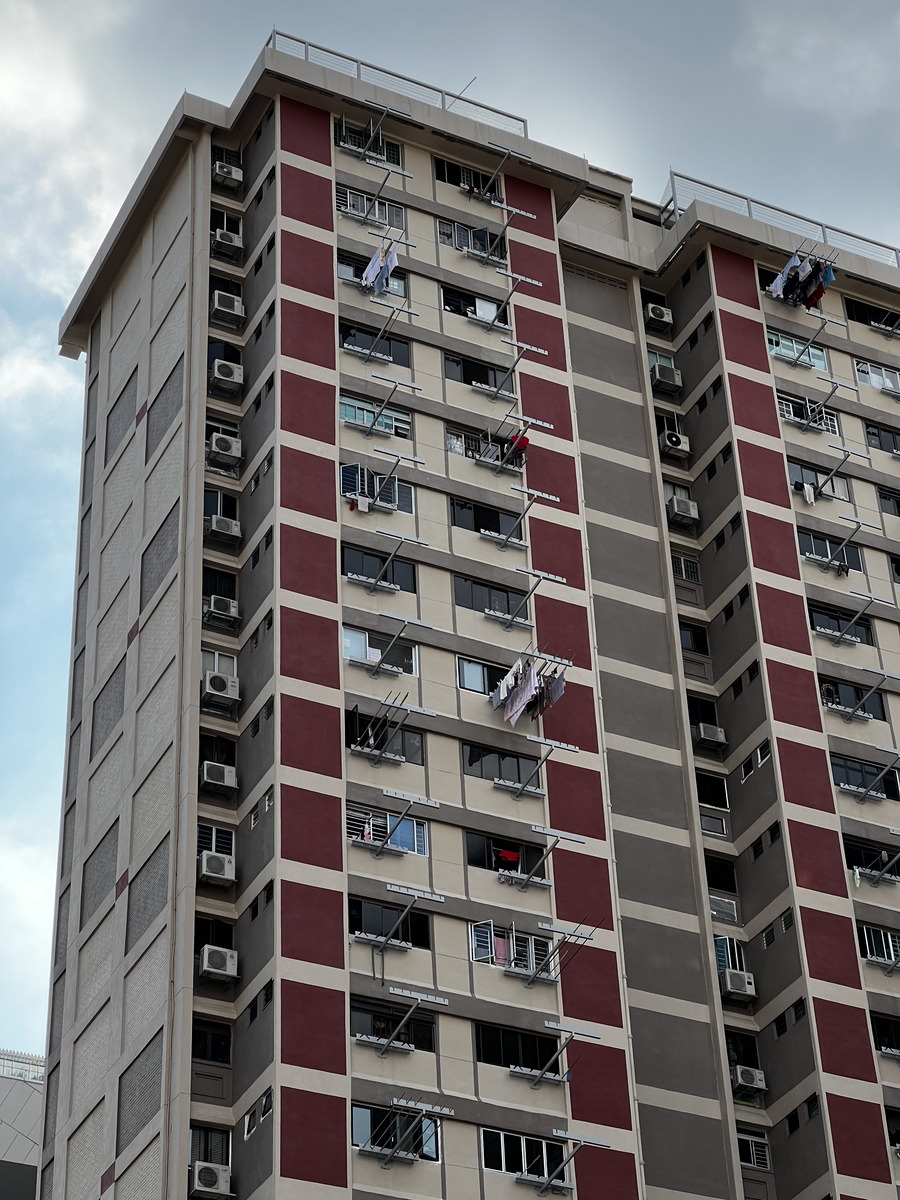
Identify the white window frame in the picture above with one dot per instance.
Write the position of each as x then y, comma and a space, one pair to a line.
503, 1134
357, 137
797, 411
504, 948
785, 347
879, 941
352, 272
231, 222
679, 571
371, 824
462, 237
884, 378
733, 953
675, 489
393, 494
220, 661
372, 650
383, 212
660, 358
485, 689
393, 422
221, 838
216, 425
760, 1158
833, 483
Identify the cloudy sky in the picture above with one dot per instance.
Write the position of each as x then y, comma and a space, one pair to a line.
790, 102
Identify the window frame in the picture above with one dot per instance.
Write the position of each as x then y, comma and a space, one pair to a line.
785, 347
409, 834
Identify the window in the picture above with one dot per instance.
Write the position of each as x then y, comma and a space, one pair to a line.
366, 565
506, 947
369, 1018
464, 237
516, 1154
880, 944
465, 177
881, 438
767, 937
219, 218
889, 501
464, 514
387, 492
824, 619
798, 411
381, 736
366, 341
735, 522
486, 597
351, 267
780, 1025
659, 358
479, 677
478, 374
876, 376
720, 875
467, 304
377, 920
482, 445
266, 1106
219, 583
684, 566
729, 954
753, 671
793, 1121
825, 549
753, 1151
763, 752
216, 749
219, 504
781, 345
812, 1106
736, 688
371, 825
711, 790
215, 838
358, 203
693, 638
870, 314
211, 1042
209, 931
392, 421
218, 661
210, 1145
746, 768
756, 848
360, 137
848, 696
386, 1128
502, 854
360, 645
887, 1033
720, 540
485, 763
799, 1009
857, 775
702, 711
502, 1047
837, 487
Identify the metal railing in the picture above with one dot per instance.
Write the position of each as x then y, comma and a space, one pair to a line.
406, 86
682, 190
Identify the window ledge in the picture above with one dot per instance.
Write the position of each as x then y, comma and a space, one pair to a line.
525, 974
888, 967
486, 387
364, 427
484, 323
517, 877
482, 256
520, 622
530, 1073
364, 581
375, 665
378, 756
369, 354
503, 540
506, 785
861, 794
377, 847
372, 939
842, 711
886, 1052
379, 1043
396, 1156
832, 636
496, 465
542, 1183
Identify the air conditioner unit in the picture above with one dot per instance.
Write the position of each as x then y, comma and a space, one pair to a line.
227, 308
224, 450
682, 511
218, 963
226, 376
227, 176
218, 777
674, 445
217, 868
657, 318
226, 245
665, 379
737, 984
210, 1180
220, 691
221, 607
748, 1077
711, 735
225, 529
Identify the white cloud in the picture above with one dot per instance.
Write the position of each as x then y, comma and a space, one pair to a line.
40, 395
27, 877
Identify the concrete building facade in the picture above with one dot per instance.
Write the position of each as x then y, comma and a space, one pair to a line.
480, 762
21, 1109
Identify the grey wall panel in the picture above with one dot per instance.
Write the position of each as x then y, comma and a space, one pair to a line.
752, 797
742, 716
704, 427
714, 495
663, 960
673, 1053
639, 710
62, 927
157, 559
257, 220
165, 407
140, 1092
257, 582
786, 1060
211, 1083
799, 1160
683, 1152
730, 640
685, 301
99, 875
593, 297
258, 284
51, 1100
258, 150
17, 1181
613, 488
761, 880
257, 425
256, 664
252, 1159
720, 568
147, 894
653, 872
255, 756
609, 359
256, 507
631, 634
121, 416
647, 789
258, 354
255, 847
253, 1046
695, 363
775, 968
616, 424
57, 1012
254, 942
624, 560
108, 708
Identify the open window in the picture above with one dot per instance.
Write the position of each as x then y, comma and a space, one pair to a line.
398, 1134
368, 825
371, 921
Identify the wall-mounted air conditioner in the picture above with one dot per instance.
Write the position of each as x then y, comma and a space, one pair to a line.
674, 445
225, 175
748, 1077
226, 376
664, 378
210, 1180
224, 450
218, 777
682, 511
226, 245
226, 308
219, 691
221, 608
711, 736
216, 868
218, 963
658, 318
738, 985
224, 529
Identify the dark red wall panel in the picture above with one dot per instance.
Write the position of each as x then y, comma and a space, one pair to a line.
599, 1085
762, 472
735, 277
558, 550
831, 947
553, 473
845, 1040
860, 1142
308, 483
783, 617
818, 858
307, 197
543, 331
573, 719
535, 264
805, 776
754, 405
305, 131
773, 546
546, 401
308, 407
605, 1174
313, 1028
307, 334
309, 563
531, 198
581, 887
311, 736
563, 629
307, 264
575, 796
323, 1120
310, 647
590, 985
795, 695
745, 341
312, 924
312, 828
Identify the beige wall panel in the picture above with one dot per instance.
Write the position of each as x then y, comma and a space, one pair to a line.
411, 967
457, 1050
111, 634
447, 854
433, 509
146, 985
369, 1176
482, 796
462, 1155
115, 560
153, 802
496, 1085
89, 1058
410, 870
123, 356
476, 625
168, 343
105, 789
84, 1160
142, 1180
492, 984
416, 1070
155, 716
443, 770
158, 637
169, 214
119, 486
127, 289
163, 483
95, 964
170, 273
485, 886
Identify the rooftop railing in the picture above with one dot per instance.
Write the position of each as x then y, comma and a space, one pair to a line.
682, 190
413, 88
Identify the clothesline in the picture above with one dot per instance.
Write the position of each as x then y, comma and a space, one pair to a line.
803, 280
526, 689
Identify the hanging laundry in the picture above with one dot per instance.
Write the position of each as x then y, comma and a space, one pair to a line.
384, 274
521, 694
776, 287
508, 858
805, 267
828, 277
809, 493
373, 269
363, 503
557, 687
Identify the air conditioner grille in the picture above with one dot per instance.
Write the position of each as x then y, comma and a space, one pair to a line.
215, 865
226, 370
220, 442
208, 1177
217, 960
217, 683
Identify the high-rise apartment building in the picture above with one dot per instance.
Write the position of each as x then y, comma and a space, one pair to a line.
485, 663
